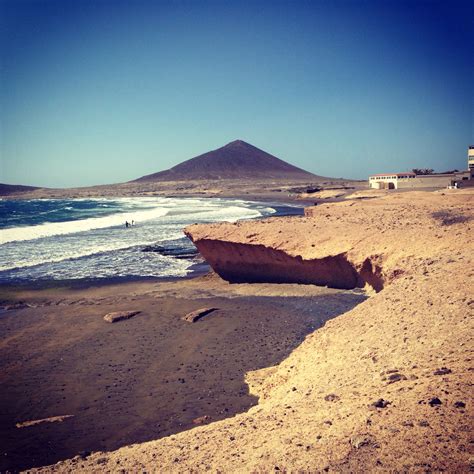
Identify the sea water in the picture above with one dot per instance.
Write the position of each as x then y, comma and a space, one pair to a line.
62, 239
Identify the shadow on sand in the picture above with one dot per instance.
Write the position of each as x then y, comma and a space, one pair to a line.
143, 378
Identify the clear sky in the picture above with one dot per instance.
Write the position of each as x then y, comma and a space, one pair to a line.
96, 92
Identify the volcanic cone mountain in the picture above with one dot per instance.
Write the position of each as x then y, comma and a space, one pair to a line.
236, 160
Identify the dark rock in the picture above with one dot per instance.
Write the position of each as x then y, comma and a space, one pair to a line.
194, 316
177, 251
119, 316
442, 371
392, 375
153, 248
395, 377
459, 405
381, 403
332, 397
434, 401
448, 217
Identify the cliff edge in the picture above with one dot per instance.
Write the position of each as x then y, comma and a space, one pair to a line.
347, 245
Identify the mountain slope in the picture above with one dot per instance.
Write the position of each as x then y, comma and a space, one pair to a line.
7, 189
235, 160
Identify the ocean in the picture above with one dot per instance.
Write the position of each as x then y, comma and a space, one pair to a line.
87, 239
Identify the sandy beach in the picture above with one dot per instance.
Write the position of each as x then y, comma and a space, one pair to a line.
281, 376
147, 377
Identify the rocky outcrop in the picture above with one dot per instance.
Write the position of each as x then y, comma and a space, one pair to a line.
253, 263
341, 245
196, 315
117, 316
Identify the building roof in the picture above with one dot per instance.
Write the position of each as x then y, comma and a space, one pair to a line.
392, 174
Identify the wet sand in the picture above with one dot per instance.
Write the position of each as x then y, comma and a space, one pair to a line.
147, 377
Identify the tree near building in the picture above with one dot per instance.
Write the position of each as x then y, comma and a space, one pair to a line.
423, 171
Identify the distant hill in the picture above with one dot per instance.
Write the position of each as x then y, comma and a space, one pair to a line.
6, 189
236, 160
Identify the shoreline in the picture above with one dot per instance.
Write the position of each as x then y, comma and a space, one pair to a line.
258, 189
195, 269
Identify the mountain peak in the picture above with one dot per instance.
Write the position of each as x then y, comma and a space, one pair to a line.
236, 160
237, 143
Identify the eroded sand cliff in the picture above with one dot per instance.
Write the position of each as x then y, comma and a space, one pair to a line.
342, 245
386, 386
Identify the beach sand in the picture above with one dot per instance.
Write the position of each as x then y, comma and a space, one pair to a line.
146, 377
313, 379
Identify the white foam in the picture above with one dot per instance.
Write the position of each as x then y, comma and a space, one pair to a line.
43, 255
229, 214
49, 229
60, 257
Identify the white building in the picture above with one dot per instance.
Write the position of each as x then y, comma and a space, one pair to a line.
435, 180
391, 180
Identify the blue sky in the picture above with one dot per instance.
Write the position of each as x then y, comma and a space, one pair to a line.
96, 92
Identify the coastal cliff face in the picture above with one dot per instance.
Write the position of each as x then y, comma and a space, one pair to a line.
344, 245
341, 245
238, 262
386, 386
252, 263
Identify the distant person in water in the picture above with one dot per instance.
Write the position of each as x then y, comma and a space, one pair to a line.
133, 223
127, 224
